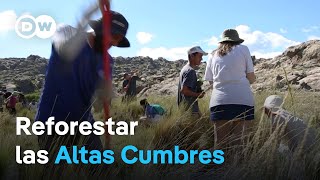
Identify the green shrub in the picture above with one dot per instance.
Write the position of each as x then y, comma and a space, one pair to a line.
33, 96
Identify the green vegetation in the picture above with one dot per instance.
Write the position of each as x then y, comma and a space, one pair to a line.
32, 96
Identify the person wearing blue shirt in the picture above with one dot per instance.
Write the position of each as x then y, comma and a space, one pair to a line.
74, 72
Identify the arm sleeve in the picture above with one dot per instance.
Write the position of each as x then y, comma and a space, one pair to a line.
190, 79
208, 75
249, 63
68, 41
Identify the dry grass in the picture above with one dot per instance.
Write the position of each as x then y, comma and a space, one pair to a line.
259, 158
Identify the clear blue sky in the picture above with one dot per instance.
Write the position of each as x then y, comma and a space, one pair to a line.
168, 28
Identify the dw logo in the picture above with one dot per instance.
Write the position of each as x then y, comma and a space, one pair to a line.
43, 26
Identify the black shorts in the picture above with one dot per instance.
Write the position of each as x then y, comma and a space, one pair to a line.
232, 112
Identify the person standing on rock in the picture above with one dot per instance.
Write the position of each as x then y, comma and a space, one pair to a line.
230, 71
129, 86
73, 76
187, 87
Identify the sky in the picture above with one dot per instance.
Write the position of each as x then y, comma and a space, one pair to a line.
168, 28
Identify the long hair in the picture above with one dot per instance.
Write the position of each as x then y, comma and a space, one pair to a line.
225, 47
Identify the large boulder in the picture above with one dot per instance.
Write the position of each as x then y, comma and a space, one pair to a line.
299, 65
305, 54
25, 85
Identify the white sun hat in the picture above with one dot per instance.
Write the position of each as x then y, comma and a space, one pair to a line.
273, 102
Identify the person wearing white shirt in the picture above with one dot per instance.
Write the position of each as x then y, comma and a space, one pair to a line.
230, 72
33, 105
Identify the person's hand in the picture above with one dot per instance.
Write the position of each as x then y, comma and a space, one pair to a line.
88, 13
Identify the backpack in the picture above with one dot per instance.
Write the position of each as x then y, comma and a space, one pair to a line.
158, 109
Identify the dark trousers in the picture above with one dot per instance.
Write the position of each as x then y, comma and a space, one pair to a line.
12, 111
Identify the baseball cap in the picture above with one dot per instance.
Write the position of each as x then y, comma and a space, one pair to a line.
119, 25
197, 49
273, 102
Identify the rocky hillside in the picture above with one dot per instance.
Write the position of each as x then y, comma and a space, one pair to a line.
299, 65
159, 76
27, 74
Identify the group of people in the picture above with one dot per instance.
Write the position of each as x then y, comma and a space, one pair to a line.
230, 72
71, 81
152, 112
10, 100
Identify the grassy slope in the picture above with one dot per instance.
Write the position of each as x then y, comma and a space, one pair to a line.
259, 158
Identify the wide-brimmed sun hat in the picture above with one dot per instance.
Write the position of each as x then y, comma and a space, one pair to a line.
230, 35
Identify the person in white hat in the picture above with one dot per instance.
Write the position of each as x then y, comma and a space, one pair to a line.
296, 130
272, 104
187, 88
230, 71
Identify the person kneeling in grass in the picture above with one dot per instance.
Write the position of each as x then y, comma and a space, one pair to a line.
298, 133
153, 112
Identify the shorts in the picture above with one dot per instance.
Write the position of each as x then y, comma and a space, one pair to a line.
231, 112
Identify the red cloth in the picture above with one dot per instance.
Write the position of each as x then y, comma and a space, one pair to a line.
12, 102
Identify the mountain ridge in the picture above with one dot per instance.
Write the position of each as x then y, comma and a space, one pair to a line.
299, 64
